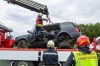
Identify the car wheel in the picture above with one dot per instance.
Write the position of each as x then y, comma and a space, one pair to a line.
63, 37
63, 41
23, 63
60, 38
22, 44
64, 45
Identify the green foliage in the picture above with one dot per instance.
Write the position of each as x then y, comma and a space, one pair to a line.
91, 30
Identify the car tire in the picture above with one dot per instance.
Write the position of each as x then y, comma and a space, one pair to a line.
65, 45
60, 38
22, 44
23, 63
63, 41
63, 37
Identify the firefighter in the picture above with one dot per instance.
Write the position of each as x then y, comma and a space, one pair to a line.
84, 56
50, 55
39, 25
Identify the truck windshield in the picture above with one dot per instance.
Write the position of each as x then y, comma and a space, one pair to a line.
66, 24
98, 42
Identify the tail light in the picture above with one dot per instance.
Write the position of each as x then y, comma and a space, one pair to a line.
76, 29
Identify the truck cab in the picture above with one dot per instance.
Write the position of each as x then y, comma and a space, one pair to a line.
97, 44
6, 40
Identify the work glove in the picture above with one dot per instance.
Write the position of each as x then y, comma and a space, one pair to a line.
46, 20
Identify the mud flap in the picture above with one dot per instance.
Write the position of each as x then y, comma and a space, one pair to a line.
39, 58
5, 63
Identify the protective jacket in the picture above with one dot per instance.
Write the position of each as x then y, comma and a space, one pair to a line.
73, 59
82, 59
39, 21
50, 57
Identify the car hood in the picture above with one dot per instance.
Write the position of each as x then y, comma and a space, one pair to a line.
21, 37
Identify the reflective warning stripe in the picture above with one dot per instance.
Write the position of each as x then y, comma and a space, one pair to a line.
39, 25
43, 31
50, 54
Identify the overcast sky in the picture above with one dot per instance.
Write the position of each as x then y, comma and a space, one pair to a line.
21, 19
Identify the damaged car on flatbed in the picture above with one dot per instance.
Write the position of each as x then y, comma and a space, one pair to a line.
61, 33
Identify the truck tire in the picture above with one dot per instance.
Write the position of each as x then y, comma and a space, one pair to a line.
23, 63
22, 44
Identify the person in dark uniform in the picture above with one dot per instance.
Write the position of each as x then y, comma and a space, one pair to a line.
50, 55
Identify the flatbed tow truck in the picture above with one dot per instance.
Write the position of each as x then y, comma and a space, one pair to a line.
33, 57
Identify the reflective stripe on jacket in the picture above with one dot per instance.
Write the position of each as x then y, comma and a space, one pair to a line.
38, 22
50, 57
85, 59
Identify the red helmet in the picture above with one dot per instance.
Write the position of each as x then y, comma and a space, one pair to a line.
82, 41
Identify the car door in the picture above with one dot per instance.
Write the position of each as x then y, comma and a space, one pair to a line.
32, 35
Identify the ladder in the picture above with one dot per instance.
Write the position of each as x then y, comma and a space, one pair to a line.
31, 5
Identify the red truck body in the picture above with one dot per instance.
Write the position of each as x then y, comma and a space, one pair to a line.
5, 40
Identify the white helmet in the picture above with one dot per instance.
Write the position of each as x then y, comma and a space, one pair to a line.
50, 43
39, 14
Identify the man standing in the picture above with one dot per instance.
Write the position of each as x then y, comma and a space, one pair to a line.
82, 57
39, 25
50, 55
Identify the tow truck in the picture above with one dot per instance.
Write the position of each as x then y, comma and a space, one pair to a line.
32, 56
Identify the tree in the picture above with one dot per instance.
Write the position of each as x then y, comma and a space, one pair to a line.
91, 30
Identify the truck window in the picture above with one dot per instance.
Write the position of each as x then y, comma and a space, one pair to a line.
98, 42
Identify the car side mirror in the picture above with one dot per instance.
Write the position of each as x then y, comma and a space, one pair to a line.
28, 31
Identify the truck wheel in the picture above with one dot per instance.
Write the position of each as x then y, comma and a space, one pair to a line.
23, 63
22, 44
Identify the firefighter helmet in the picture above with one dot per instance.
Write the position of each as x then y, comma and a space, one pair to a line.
82, 41
39, 14
50, 43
